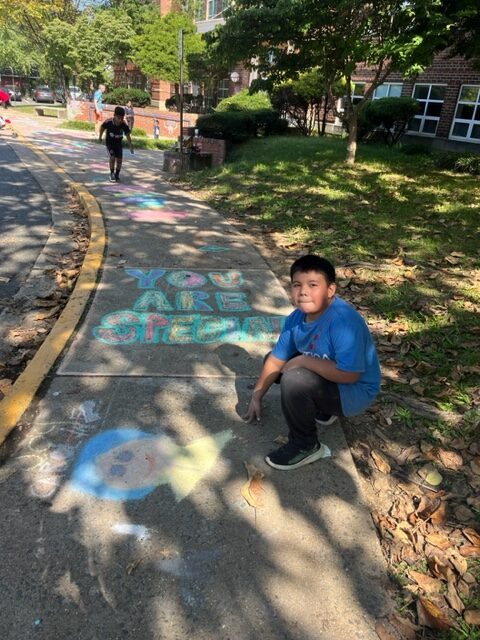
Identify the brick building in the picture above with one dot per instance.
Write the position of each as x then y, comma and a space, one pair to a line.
209, 15
448, 93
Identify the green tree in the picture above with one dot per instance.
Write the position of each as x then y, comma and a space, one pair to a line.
462, 28
284, 38
155, 51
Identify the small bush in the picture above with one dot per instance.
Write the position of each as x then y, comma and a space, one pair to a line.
416, 149
459, 163
243, 101
78, 125
191, 103
141, 133
234, 126
389, 115
238, 126
121, 95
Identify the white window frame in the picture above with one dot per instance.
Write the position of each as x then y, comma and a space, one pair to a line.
389, 89
223, 87
427, 101
470, 122
212, 9
355, 98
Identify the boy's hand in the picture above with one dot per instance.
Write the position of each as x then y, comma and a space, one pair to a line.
254, 408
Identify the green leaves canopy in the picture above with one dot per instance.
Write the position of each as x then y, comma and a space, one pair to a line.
156, 49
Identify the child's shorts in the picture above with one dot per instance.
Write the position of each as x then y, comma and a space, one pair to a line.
115, 150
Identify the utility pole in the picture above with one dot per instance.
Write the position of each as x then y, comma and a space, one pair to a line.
180, 59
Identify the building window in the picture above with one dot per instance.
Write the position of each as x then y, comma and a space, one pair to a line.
388, 90
358, 91
223, 89
430, 99
213, 9
466, 123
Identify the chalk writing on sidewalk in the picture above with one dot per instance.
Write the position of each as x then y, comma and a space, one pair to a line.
174, 308
128, 464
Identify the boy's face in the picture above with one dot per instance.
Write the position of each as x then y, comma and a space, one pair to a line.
311, 293
117, 119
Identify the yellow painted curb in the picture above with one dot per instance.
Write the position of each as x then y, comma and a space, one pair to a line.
14, 405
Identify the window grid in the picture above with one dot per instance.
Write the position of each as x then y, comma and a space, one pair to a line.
466, 122
223, 88
213, 8
430, 98
388, 90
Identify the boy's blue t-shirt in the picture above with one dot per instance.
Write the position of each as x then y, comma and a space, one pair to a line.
98, 98
339, 334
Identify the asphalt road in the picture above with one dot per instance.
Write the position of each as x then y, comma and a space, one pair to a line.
24, 220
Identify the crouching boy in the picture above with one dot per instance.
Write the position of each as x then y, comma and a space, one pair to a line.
324, 359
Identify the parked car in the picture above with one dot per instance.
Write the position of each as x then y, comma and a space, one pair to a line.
14, 91
44, 94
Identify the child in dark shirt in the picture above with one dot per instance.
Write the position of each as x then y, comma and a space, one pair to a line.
115, 128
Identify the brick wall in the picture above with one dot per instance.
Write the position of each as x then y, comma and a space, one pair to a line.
144, 119
217, 148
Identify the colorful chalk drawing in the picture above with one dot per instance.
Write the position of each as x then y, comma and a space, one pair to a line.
212, 248
128, 464
154, 318
146, 205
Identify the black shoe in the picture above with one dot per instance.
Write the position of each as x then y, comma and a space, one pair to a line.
117, 177
324, 420
112, 177
290, 457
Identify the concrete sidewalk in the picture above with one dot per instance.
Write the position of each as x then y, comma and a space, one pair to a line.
123, 516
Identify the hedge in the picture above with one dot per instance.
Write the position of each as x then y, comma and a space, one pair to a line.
121, 95
238, 126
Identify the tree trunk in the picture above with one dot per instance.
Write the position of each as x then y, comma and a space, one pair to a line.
325, 112
352, 137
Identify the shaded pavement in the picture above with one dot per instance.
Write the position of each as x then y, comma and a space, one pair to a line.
122, 507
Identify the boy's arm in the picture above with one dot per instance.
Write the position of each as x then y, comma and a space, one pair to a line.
271, 368
325, 368
130, 144
102, 129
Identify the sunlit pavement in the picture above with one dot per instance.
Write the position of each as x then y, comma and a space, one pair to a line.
122, 510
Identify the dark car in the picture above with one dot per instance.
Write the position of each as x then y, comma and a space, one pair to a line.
14, 91
44, 94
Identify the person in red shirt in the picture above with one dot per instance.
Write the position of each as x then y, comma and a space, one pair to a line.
4, 98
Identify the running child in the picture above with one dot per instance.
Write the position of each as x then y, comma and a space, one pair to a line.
115, 129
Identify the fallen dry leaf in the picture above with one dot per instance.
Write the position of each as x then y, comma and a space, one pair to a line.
453, 598
450, 459
458, 562
384, 630
252, 490
6, 385
425, 582
472, 616
472, 536
475, 465
42, 315
470, 551
464, 515
381, 461
439, 540
430, 615
281, 440
440, 567
440, 515
427, 507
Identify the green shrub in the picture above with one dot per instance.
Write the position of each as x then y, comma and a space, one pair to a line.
237, 126
121, 95
415, 149
78, 125
389, 116
243, 101
234, 126
141, 133
457, 162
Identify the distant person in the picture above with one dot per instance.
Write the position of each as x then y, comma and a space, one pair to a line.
129, 115
325, 361
115, 128
156, 129
98, 107
5, 99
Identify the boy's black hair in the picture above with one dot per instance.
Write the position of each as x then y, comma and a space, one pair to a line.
312, 262
119, 111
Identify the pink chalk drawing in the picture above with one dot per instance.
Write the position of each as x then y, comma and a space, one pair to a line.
153, 215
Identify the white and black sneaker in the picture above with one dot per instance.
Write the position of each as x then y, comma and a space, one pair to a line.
112, 177
324, 420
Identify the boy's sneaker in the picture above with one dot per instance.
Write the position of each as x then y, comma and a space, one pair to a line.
117, 177
290, 457
112, 177
324, 420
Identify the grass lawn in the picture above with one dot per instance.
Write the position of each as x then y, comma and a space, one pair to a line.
403, 234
